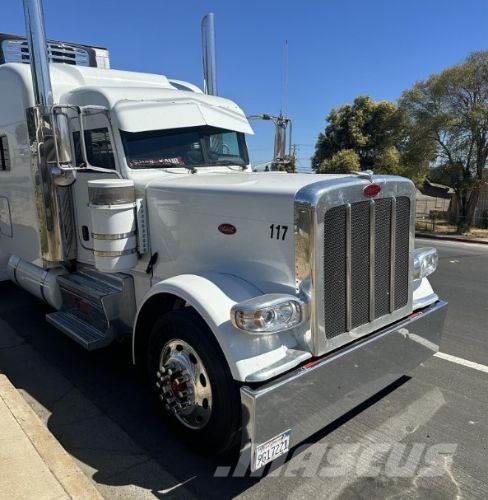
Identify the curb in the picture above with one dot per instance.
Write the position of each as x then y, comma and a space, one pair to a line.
432, 236
59, 462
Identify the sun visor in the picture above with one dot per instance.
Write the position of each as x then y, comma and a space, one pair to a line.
139, 116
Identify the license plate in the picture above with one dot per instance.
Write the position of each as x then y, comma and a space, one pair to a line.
272, 449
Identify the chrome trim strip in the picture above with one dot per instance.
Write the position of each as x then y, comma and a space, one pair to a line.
348, 257
372, 255
304, 239
112, 196
106, 253
392, 253
111, 237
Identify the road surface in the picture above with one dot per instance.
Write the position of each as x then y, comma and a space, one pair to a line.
435, 423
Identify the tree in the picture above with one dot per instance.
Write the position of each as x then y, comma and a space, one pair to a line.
286, 164
451, 110
378, 134
344, 161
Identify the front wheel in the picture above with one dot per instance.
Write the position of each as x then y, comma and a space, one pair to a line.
193, 382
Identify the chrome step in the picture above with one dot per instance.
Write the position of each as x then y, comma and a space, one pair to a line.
85, 285
80, 331
101, 304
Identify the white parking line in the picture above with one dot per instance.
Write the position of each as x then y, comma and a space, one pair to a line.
461, 361
450, 243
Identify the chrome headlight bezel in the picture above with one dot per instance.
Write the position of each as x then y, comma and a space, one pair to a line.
269, 314
425, 262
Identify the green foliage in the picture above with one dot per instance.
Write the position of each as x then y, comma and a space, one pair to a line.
344, 161
439, 127
286, 164
377, 132
450, 110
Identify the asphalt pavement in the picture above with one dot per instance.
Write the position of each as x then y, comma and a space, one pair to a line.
427, 437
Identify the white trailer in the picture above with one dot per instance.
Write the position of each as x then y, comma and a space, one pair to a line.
260, 306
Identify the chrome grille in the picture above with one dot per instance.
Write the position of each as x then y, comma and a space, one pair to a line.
366, 262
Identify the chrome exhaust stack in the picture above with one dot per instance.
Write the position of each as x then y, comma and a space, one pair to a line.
55, 214
36, 37
209, 58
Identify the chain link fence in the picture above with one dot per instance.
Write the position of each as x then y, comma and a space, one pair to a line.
435, 215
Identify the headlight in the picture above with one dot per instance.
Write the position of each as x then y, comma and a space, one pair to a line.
269, 313
424, 262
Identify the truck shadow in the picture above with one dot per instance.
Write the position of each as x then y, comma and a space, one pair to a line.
98, 409
102, 414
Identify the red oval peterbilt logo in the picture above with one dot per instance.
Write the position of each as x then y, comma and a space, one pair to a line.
372, 190
227, 229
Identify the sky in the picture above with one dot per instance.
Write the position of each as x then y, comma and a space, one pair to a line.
336, 49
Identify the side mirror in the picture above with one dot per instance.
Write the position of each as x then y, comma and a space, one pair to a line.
68, 157
62, 137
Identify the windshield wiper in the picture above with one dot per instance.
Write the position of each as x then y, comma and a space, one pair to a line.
161, 164
229, 163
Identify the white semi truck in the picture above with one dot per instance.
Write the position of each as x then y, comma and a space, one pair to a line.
260, 306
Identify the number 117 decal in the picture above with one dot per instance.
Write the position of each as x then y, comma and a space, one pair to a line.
278, 232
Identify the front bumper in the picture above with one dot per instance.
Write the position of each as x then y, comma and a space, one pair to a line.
314, 395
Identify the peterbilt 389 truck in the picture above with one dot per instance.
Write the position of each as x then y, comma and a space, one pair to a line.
261, 307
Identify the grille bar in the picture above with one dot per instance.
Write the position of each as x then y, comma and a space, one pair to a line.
401, 255
382, 290
392, 252
360, 263
348, 269
372, 249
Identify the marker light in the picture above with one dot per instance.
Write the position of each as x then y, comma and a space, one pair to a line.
372, 190
424, 262
269, 313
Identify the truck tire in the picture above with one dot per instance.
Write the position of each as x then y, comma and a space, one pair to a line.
195, 390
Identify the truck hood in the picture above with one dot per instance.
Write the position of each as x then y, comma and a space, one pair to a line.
235, 223
251, 195
186, 213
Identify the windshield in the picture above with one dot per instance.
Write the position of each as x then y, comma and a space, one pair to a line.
184, 147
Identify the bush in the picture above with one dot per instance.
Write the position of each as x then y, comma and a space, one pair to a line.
343, 162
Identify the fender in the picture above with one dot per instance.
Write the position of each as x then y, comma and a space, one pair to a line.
212, 295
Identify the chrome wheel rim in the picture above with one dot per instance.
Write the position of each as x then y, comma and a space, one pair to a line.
183, 384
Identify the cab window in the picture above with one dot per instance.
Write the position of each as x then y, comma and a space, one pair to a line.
99, 149
4, 154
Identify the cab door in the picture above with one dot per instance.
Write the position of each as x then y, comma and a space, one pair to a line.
99, 143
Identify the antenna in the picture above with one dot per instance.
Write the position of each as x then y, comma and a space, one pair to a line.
284, 83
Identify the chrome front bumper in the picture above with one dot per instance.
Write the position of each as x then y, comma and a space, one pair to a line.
313, 396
